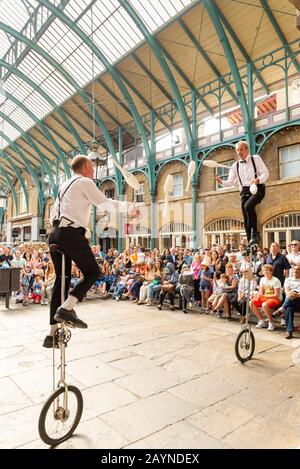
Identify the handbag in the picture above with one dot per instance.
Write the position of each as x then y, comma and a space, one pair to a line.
168, 287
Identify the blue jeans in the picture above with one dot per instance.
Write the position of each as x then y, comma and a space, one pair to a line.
119, 290
290, 306
151, 289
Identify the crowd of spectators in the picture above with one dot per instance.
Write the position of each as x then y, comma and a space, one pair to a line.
213, 280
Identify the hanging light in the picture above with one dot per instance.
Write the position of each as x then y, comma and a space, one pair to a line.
99, 161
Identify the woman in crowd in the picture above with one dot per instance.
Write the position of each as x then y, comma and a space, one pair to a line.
268, 298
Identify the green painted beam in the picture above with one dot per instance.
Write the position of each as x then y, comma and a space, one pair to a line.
30, 141
6, 157
40, 124
184, 77
28, 166
71, 80
241, 47
143, 99
12, 188
279, 33
151, 76
111, 69
31, 83
206, 57
155, 46
213, 14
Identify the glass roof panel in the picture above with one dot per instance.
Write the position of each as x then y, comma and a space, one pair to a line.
104, 21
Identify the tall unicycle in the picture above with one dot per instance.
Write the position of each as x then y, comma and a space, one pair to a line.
245, 341
62, 411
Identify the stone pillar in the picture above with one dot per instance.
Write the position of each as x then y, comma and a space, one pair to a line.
8, 232
35, 228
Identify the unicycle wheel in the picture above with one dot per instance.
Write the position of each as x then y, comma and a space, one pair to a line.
244, 345
56, 423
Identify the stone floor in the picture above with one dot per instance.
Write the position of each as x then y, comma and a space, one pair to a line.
151, 379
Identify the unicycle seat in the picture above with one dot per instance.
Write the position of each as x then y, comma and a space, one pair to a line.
55, 248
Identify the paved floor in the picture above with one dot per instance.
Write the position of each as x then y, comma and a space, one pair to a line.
151, 379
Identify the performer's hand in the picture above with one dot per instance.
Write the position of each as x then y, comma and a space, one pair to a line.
219, 180
255, 181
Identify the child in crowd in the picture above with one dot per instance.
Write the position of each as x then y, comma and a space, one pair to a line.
121, 286
219, 286
205, 285
26, 282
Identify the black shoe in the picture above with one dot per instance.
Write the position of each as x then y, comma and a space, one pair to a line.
48, 342
185, 311
255, 240
289, 335
70, 317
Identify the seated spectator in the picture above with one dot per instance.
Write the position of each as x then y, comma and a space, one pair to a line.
230, 291
219, 288
6, 257
18, 261
153, 289
121, 285
268, 298
37, 289
170, 279
48, 284
292, 300
246, 288
186, 287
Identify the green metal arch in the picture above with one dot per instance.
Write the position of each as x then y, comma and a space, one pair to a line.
30, 141
83, 36
40, 123
68, 78
214, 16
279, 33
18, 174
31, 83
12, 188
273, 132
155, 46
28, 166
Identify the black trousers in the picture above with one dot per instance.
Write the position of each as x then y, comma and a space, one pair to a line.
249, 202
76, 247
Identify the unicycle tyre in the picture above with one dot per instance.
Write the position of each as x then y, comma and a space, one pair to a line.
244, 345
55, 424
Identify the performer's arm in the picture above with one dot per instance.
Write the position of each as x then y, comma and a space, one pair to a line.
97, 198
232, 178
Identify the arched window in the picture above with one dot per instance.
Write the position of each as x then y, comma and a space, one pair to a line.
225, 231
139, 235
176, 234
282, 229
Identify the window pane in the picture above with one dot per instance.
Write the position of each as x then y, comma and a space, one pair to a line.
178, 185
289, 161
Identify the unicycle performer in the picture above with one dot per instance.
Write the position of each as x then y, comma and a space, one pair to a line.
250, 174
70, 218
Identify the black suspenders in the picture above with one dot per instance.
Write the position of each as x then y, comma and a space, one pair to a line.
238, 171
61, 196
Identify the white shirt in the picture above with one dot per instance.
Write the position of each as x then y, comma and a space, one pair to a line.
244, 286
293, 284
293, 257
78, 199
270, 285
246, 172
